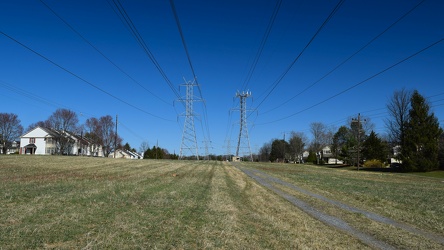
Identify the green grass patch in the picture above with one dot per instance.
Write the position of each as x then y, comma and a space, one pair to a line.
434, 174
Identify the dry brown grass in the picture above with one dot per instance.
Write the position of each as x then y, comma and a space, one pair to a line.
78, 202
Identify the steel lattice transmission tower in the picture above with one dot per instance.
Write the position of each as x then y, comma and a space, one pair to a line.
189, 141
243, 141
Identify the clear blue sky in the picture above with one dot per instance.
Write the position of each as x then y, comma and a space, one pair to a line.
223, 38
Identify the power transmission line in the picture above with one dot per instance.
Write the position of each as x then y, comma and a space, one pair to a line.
132, 28
189, 141
80, 78
262, 44
359, 83
243, 140
276, 83
179, 27
348, 58
100, 52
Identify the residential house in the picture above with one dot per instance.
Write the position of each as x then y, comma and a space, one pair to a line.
46, 141
15, 146
119, 153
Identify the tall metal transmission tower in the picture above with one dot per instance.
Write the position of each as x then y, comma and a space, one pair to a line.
243, 142
189, 141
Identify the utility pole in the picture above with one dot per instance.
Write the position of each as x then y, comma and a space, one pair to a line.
189, 141
243, 131
358, 121
115, 141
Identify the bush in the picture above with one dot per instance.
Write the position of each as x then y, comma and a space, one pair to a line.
373, 164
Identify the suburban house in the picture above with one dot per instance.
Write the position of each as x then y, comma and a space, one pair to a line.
15, 146
328, 157
46, 141
125, 154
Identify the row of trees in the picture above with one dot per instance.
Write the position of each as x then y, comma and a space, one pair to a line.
412, 128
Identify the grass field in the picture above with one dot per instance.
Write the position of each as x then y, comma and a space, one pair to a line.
77, 202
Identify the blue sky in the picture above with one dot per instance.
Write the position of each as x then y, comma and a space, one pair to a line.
223, 38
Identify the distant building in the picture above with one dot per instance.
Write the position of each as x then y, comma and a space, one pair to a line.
15, 146
125, 154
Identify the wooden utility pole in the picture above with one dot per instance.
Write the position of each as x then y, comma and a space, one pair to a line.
358, 136
115, 141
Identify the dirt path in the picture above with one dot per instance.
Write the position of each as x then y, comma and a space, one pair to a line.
268, 180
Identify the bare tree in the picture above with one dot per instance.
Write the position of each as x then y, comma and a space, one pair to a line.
398, 109
10, 130
318, 131
144, 146
298, 141
92, 133
64, 120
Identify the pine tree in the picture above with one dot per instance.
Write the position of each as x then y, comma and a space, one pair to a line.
374, 148
420, 152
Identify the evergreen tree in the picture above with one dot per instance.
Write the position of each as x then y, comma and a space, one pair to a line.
374, 148
278, 150
420, 152
441, 152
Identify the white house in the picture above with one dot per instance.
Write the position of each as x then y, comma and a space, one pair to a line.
38, 141
327, 156
125, 154
45, 141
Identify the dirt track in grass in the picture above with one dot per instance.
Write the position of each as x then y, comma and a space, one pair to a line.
273, 184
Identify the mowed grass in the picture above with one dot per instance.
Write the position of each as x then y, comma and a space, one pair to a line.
51, 202
414, 200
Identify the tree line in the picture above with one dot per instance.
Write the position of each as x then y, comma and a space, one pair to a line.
414, 139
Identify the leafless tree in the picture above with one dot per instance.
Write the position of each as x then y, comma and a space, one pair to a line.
144, 146
398, 109
297, 142
92, 127
64, 120
102, 132
10, 130
318, 131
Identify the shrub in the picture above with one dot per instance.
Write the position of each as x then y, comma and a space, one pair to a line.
373, 164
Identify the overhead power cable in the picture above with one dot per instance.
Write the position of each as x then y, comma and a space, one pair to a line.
101, 53
30, 95
80, 78
179, 27
262, 44
348, 58
276, 83
139, 39
361, 82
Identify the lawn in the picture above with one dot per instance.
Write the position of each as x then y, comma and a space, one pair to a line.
79, 202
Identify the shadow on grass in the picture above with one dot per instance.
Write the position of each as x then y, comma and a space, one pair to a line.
354, 168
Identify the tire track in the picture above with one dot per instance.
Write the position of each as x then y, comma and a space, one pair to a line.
267, 180
369, 215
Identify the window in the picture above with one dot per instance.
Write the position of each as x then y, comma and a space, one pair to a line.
31, 140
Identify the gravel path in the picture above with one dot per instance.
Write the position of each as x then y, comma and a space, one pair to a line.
267, 180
